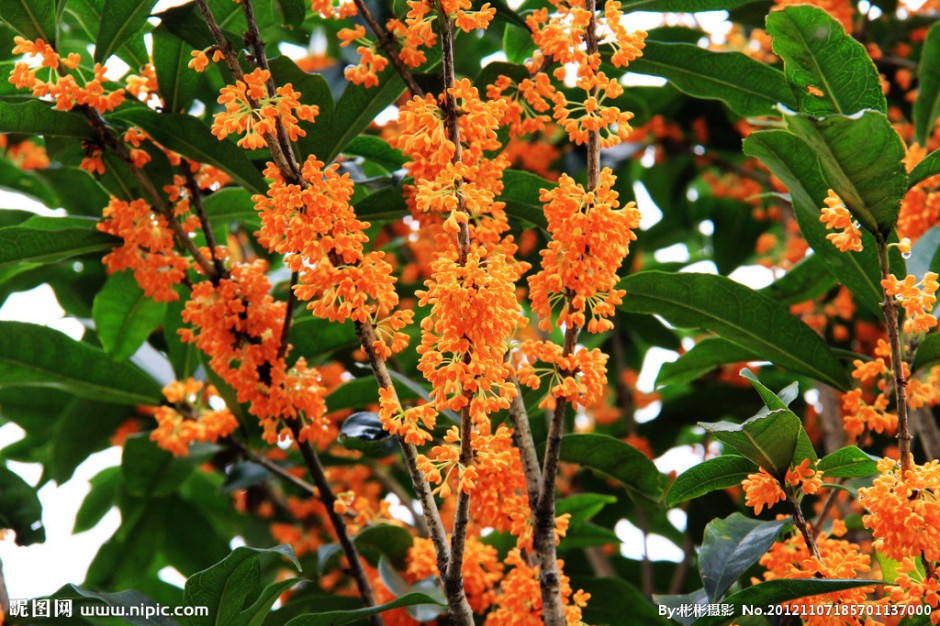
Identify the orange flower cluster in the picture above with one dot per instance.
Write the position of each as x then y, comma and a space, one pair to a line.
841, 559
611, 124
913, 587
316, 227
491, 454
366, 72
200, 58
580, 378
328, 10
65, 89
190, 418
762, 489
238, 324
26, 155
482, 570
250, 109
463, 342
527, 102
406, 424
834, 216
918, 298
903, 510
859, 415
519, 601
144, 86
590, 238
148, 247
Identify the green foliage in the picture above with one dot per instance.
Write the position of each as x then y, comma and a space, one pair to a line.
20, 509
730, 546
124, 316
712, 474
927, 105
121, 20
33, 19
616, 460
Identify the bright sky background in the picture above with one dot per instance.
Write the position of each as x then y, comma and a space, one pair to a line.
64, 558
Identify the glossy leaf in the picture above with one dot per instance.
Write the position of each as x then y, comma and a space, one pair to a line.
88, 14
171, 57
927, 105
820, 58
362, 430
36, 356
930, 166
341, 618
124, 316
43, 240
126, 600
33, 19
748, 87
375, 540
740, 315
706, 355
928, 352
808, 279
150, 471
20, 509
769, 439
848, 462
861, 159
615, 459
521, 192
34, 117
796, 165
120, 20
731, 546
681, 6
710, 475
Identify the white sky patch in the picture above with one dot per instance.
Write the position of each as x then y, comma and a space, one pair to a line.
649, 212
754, 276
676, 253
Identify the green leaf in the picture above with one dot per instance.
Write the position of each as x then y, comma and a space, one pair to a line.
121, 20
737, 313
583, 506
681, 6
314, 337
290, 12
791, 160
848, 462
710, 475
861, 158
88, 14
232, 204
36, 356
191, 138
817, 53
731, 546
618, 460
924, 253
35, 117
177, 83
373, 541
385, 204
102, 497
313, 89
767, 439
150, 471
609, 596
43, 240
706, 355
224, 587
927, 105
33, 19
20, 509
783, 590
84, 427
362, 430
127, 600
930, 166
748, 87
807, 280
376, 150
928, 352
255, 614
124, 316
521, 191
341, 618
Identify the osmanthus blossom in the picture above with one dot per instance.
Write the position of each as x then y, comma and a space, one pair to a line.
190, 417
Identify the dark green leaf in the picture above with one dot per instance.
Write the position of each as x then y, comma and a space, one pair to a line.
376, 150
362, 430
710, 475
290, 12
730, 546
796, 165
748, 87
121, 20
741, 315
341, 618
817, 53
224, 587
151, 471
930, 166
807, 280
20, 509
583, 506
681, 6
314, 337
861, 158
848, 462
83, 427
88, 14
36, 356
521, 191
33, 19
255, 614
124, 316
34, 117
769, 439
373, 541
43, 240
705, 356
783, 590
102, 497
609, 596
231, 205
928, 352
385, 204
927, 105
191, 138
924, 252
177, 83
126, 600
616, 459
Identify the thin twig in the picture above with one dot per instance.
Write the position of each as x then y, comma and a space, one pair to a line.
390, 47
288, 316
522, 437
196, 198
804, 527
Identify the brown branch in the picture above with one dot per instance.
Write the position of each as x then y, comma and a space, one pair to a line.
407, 501
339, 524
900, 383
390, 48
196, 198
804, 526
522, 437
288, 316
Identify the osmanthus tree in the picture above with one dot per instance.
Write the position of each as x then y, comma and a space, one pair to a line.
397, 360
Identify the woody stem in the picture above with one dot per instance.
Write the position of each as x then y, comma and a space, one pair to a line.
897, 361
196, 198
804, 527
389, 47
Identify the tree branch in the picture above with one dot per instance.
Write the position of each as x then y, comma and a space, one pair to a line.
390, 48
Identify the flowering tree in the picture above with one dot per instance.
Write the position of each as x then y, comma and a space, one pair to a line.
406, 352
